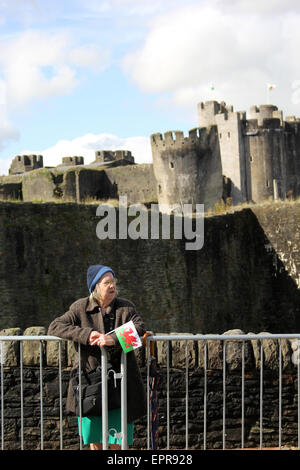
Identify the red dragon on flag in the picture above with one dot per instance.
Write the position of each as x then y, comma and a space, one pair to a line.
129, 338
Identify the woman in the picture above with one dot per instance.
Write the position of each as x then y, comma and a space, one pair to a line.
86, 322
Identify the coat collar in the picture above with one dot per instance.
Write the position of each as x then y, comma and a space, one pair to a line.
92, 305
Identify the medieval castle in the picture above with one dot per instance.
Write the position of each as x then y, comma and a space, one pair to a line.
227, 156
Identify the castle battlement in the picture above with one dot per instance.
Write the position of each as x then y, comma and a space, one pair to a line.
24, 163
209, 111
177, 140
70, 161
265, 124
235, 116
292, 119
265, 111
113, 155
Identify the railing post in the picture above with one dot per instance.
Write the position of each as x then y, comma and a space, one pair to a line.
104, 399
60, 396
261, 397
224, 393
148, 393
41, 396
280, 395
186, 397
2, 394
243, 393
205, 396
80, 403
22, 395
124, 400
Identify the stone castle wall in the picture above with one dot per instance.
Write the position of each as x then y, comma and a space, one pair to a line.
177, 383
246, 275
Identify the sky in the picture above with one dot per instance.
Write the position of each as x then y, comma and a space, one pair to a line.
78, 76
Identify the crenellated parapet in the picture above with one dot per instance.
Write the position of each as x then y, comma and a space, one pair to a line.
208, 112
175, 140
265, 111
70, 161
260, 125
23, 163
113, 155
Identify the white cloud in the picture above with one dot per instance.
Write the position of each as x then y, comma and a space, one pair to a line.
37, 64
239, 50
7, 129
269, 7
90, 56
86, 146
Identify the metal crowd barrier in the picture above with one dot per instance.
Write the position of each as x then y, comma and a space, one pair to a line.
105, 430
149, 340
224, 338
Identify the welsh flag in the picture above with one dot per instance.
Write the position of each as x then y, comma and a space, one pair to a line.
271, 86
128, 337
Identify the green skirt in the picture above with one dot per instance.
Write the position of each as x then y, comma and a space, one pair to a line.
92, 428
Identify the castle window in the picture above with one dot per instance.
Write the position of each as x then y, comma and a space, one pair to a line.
171, 165
251, 158
267, 184
228, 135
159, 189
220, 135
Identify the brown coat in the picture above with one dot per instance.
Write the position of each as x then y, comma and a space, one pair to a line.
76, 325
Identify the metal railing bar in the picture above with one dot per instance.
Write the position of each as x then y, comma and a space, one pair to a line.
168, 398
104, 399
298, 380
80, 404
224, 392
124, 401
2, 396
205, 396
243, 394
148, 393
280, 394
261, 398
60, 397
222, 337
186, 397
22, 395
41, 397
31, 338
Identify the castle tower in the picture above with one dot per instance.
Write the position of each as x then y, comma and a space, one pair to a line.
292, 155
230, 133
265, 152
187, 169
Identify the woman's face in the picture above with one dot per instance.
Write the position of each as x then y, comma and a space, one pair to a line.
106, 288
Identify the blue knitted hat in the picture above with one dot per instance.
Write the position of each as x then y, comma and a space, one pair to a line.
94, 273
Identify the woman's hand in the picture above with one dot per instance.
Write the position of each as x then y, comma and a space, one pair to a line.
105, 340
99, 339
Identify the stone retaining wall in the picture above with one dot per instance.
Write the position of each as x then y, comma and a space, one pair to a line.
177, 381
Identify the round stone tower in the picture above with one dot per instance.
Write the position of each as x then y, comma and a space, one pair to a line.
187, 169
265, 151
